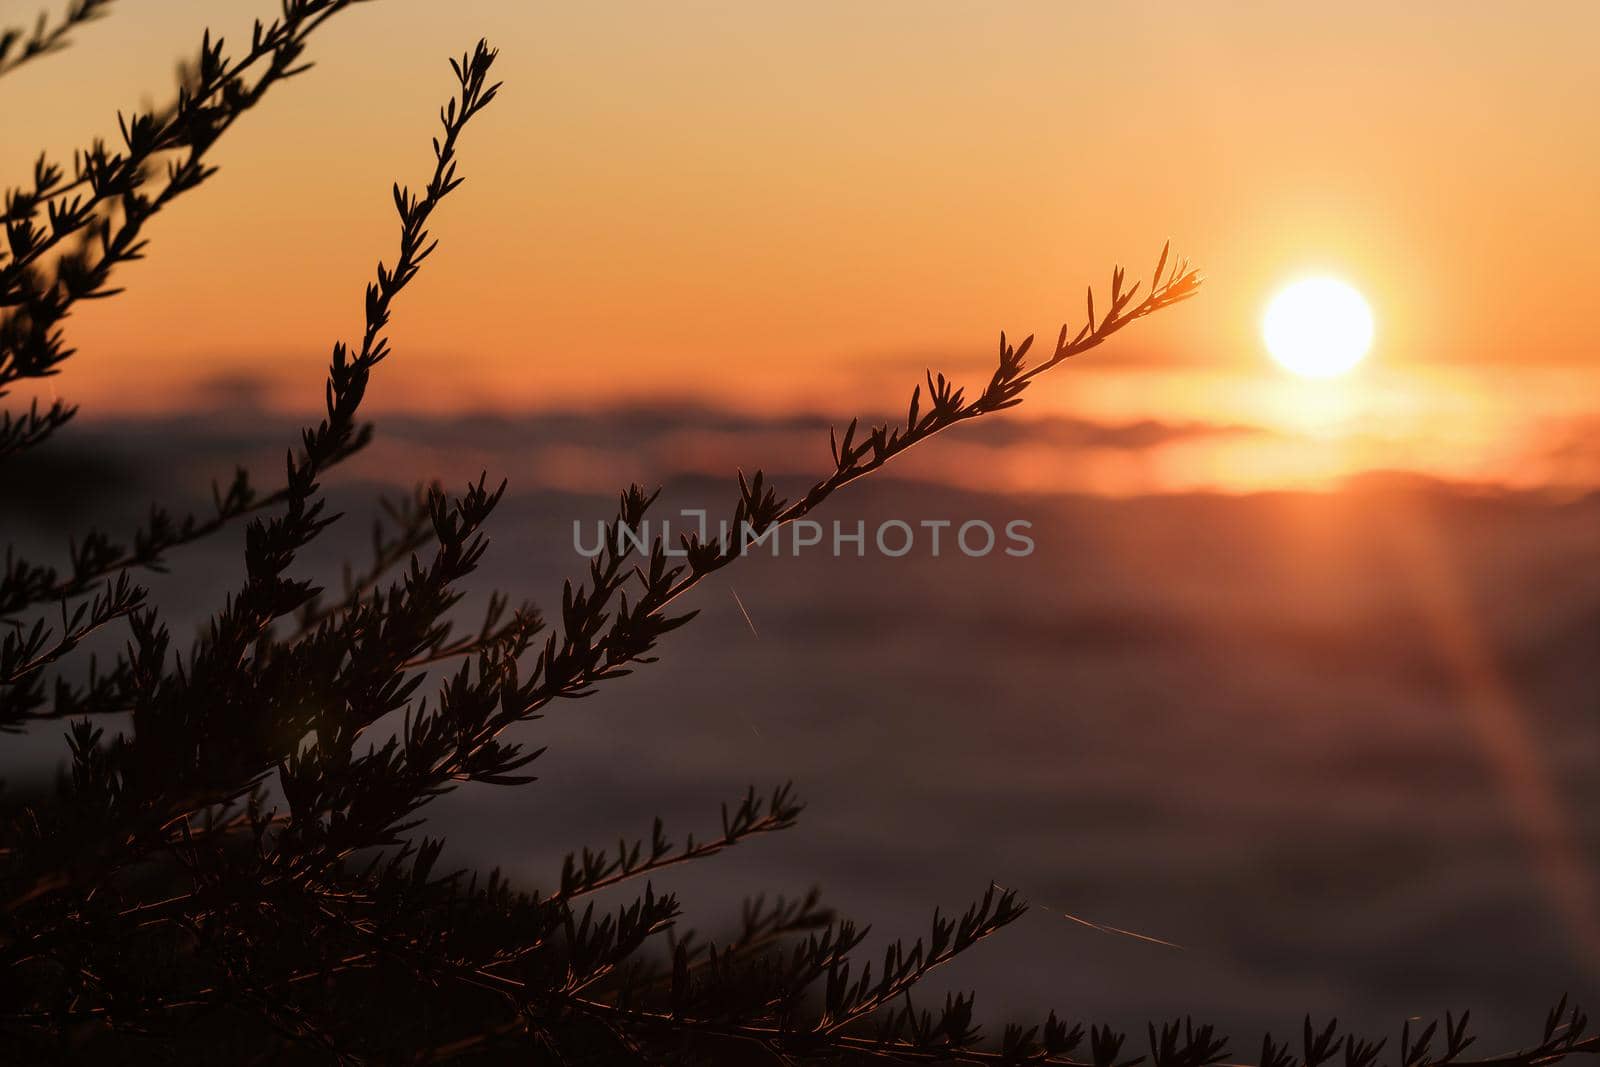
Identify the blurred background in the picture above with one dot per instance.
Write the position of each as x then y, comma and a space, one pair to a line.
1303, 674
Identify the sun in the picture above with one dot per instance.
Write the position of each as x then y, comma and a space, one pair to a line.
1317, 327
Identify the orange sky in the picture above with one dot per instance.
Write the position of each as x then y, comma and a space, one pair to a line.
779, 205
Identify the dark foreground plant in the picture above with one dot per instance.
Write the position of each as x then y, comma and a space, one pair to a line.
236, 875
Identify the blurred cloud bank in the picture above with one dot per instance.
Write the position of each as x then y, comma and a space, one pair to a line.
1269, 726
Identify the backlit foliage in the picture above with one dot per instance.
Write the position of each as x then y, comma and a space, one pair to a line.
232, 870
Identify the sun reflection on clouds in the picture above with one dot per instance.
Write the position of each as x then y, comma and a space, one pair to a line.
1228, 432
1451, 423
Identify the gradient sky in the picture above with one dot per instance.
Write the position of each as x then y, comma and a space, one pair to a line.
776, 205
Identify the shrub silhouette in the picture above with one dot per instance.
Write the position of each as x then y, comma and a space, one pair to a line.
236, 877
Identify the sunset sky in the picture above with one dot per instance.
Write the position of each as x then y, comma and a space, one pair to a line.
799, 207
1302, 676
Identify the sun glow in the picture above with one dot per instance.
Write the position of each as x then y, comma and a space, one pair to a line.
1317, 327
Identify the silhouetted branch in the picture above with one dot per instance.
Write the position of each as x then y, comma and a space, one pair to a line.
403, 528
19, 46
176, 763
113, 194
597, 870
